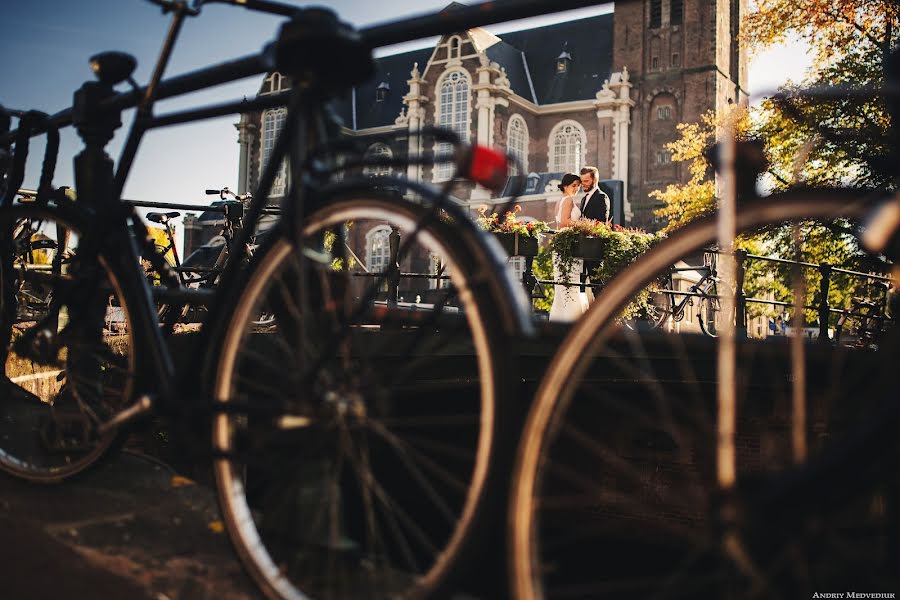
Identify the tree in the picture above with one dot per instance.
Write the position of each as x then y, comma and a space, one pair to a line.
841, 139
682, 203
839, 135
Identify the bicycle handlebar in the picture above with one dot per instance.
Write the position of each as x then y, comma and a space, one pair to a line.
222, 193
169, 5
273, 8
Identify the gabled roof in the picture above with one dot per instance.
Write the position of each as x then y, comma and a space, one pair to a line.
529, 57
589, 41
392, 70
513, 61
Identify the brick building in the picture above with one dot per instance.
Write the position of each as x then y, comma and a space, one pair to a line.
607, 91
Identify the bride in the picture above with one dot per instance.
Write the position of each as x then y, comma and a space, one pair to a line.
569, 303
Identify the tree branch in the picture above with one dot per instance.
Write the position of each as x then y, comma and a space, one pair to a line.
840, 17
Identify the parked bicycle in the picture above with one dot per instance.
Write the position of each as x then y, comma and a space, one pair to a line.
866, 318
201, 269
671, 304
643, 471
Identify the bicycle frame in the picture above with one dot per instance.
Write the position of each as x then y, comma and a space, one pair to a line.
117, 229
706, 282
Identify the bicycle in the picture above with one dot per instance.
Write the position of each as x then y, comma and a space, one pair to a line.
202, 268
306, 455
617, 489
37, 255
676, 466
704, 290
864, 321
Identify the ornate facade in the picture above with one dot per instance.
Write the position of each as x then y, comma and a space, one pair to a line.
606, 91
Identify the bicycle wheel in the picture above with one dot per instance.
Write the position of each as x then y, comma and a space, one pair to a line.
660, 308
359, 430
709, 314
59, 381
615, 493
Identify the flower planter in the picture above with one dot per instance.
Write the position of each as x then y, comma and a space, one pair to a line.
589, 248
518, 245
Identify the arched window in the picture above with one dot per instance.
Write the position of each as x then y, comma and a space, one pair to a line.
273, 121
378, 249
454, 46
567, 143
272, 83
453, 109
664, 113
517, 143
378, 151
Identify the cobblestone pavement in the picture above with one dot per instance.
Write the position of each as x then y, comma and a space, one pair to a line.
131, 529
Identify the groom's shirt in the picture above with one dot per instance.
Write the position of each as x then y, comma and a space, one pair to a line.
587, 196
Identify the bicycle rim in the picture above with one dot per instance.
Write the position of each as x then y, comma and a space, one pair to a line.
58, 387
709, 313
385, 451
615, 492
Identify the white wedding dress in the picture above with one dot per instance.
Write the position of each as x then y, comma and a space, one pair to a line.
569, 302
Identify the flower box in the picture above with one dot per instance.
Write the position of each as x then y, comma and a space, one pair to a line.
518, 245
590, 248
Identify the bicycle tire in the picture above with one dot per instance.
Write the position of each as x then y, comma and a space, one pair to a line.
663, 309
467, 444
709, 312
34, 446
644, 487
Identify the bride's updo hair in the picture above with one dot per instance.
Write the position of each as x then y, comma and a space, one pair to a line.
567, 180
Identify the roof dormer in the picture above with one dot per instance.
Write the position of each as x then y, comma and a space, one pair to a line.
564, 60
382, 91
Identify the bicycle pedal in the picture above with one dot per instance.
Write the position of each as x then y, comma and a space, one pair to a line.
62, 432
140, 408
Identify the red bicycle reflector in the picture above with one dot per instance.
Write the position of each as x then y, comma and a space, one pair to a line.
488, 167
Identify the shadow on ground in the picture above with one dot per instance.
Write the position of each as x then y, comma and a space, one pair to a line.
129, 529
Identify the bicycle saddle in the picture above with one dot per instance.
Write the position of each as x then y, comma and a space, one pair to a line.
113, 67
161, 218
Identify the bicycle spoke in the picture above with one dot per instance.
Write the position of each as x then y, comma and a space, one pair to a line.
253, 385
663, 402
406, 455
430, 421
440, 448
393, 514
624, 466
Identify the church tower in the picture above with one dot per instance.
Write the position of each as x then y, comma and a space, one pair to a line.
684, 59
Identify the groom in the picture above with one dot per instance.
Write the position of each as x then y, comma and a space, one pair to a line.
595, 205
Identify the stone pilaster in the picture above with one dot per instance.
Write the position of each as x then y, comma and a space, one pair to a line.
246, 138
614, 101
415, 116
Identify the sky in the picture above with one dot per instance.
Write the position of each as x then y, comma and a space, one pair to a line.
46, 45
